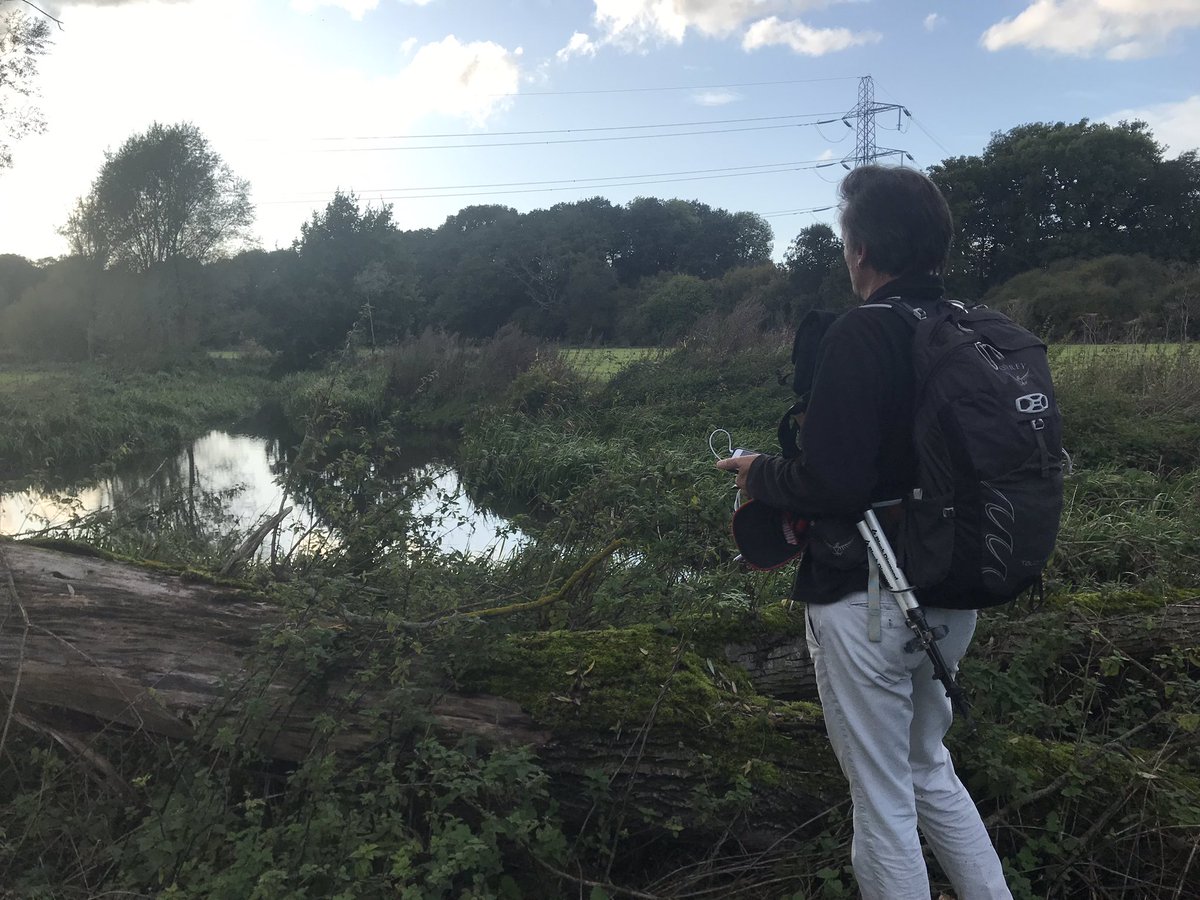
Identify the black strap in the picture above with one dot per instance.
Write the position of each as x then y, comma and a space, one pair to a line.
1039, 426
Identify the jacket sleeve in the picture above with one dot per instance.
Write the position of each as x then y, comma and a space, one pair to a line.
843, 427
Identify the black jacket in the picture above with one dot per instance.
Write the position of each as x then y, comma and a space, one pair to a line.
857, 439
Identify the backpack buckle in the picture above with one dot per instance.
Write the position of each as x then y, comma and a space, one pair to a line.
1038, 424
919, 313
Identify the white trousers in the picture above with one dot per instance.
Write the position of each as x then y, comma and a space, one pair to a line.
887, 717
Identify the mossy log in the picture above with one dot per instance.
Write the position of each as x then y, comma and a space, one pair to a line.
680, 723
678, 736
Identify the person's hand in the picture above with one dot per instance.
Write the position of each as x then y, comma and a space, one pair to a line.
740, 466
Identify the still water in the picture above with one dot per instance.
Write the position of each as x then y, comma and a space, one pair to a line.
236, 478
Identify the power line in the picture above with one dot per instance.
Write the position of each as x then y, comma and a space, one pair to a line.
929, 134
685, 87
795, 212
488, 134
589, 140
780, 166
571, 187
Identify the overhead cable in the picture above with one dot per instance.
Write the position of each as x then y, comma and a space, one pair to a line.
587, 140
573, 187
592, 128
582, 181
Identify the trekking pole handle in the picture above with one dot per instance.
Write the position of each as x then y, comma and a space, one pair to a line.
885, 558
926, 638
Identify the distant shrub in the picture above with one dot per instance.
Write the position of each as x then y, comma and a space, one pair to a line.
1103, 300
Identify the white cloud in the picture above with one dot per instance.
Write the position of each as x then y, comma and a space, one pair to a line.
635, 22
933, 20
826, 154
802, 38
1120, 29
1175, 124
715, 98
580, 44
409, 45
461, 80
356, 8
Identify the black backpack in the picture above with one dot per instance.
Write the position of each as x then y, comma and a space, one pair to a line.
805, 346
981, 522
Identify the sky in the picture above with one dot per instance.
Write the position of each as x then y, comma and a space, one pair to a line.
433, 105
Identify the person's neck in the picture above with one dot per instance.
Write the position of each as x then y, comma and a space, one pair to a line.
873, 282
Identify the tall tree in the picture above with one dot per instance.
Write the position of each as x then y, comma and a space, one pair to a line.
1044, 192
349, 267
816, 271
810, 257
165, 193
23, 40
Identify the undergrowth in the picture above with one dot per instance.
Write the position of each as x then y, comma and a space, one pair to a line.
645, 755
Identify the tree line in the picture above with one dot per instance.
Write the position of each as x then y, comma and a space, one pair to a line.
1083, 231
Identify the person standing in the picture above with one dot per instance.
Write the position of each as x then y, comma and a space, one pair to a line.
886, 715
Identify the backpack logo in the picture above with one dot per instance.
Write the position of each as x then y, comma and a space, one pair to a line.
1033, 403
837, 549
1018, 372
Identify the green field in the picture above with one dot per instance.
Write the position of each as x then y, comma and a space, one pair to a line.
1075, 351
602, 363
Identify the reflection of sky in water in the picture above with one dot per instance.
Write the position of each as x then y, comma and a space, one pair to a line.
239, 469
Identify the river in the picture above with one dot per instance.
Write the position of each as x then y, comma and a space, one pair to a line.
232, 481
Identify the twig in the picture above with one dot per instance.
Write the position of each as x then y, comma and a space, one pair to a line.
603, 885
34, 6
252, 542
470, 612
74, 745
571, 581
1061, 781
1097, 826
1187, 868
751, 861
14, 600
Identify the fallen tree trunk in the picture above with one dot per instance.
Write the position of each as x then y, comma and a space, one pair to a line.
667, 716
154, 649
89, 641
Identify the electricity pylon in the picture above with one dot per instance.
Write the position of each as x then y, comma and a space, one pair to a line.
865, 149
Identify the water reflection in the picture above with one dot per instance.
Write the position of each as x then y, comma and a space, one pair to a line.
230, 482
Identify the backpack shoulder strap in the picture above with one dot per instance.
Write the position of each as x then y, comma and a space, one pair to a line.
912, 313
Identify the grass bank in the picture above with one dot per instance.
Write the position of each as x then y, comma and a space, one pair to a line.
65, 416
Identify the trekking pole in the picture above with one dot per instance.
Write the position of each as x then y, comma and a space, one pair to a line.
926, 638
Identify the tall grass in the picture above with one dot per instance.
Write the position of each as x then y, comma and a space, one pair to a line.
1135, 407
432, 380
70, 415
